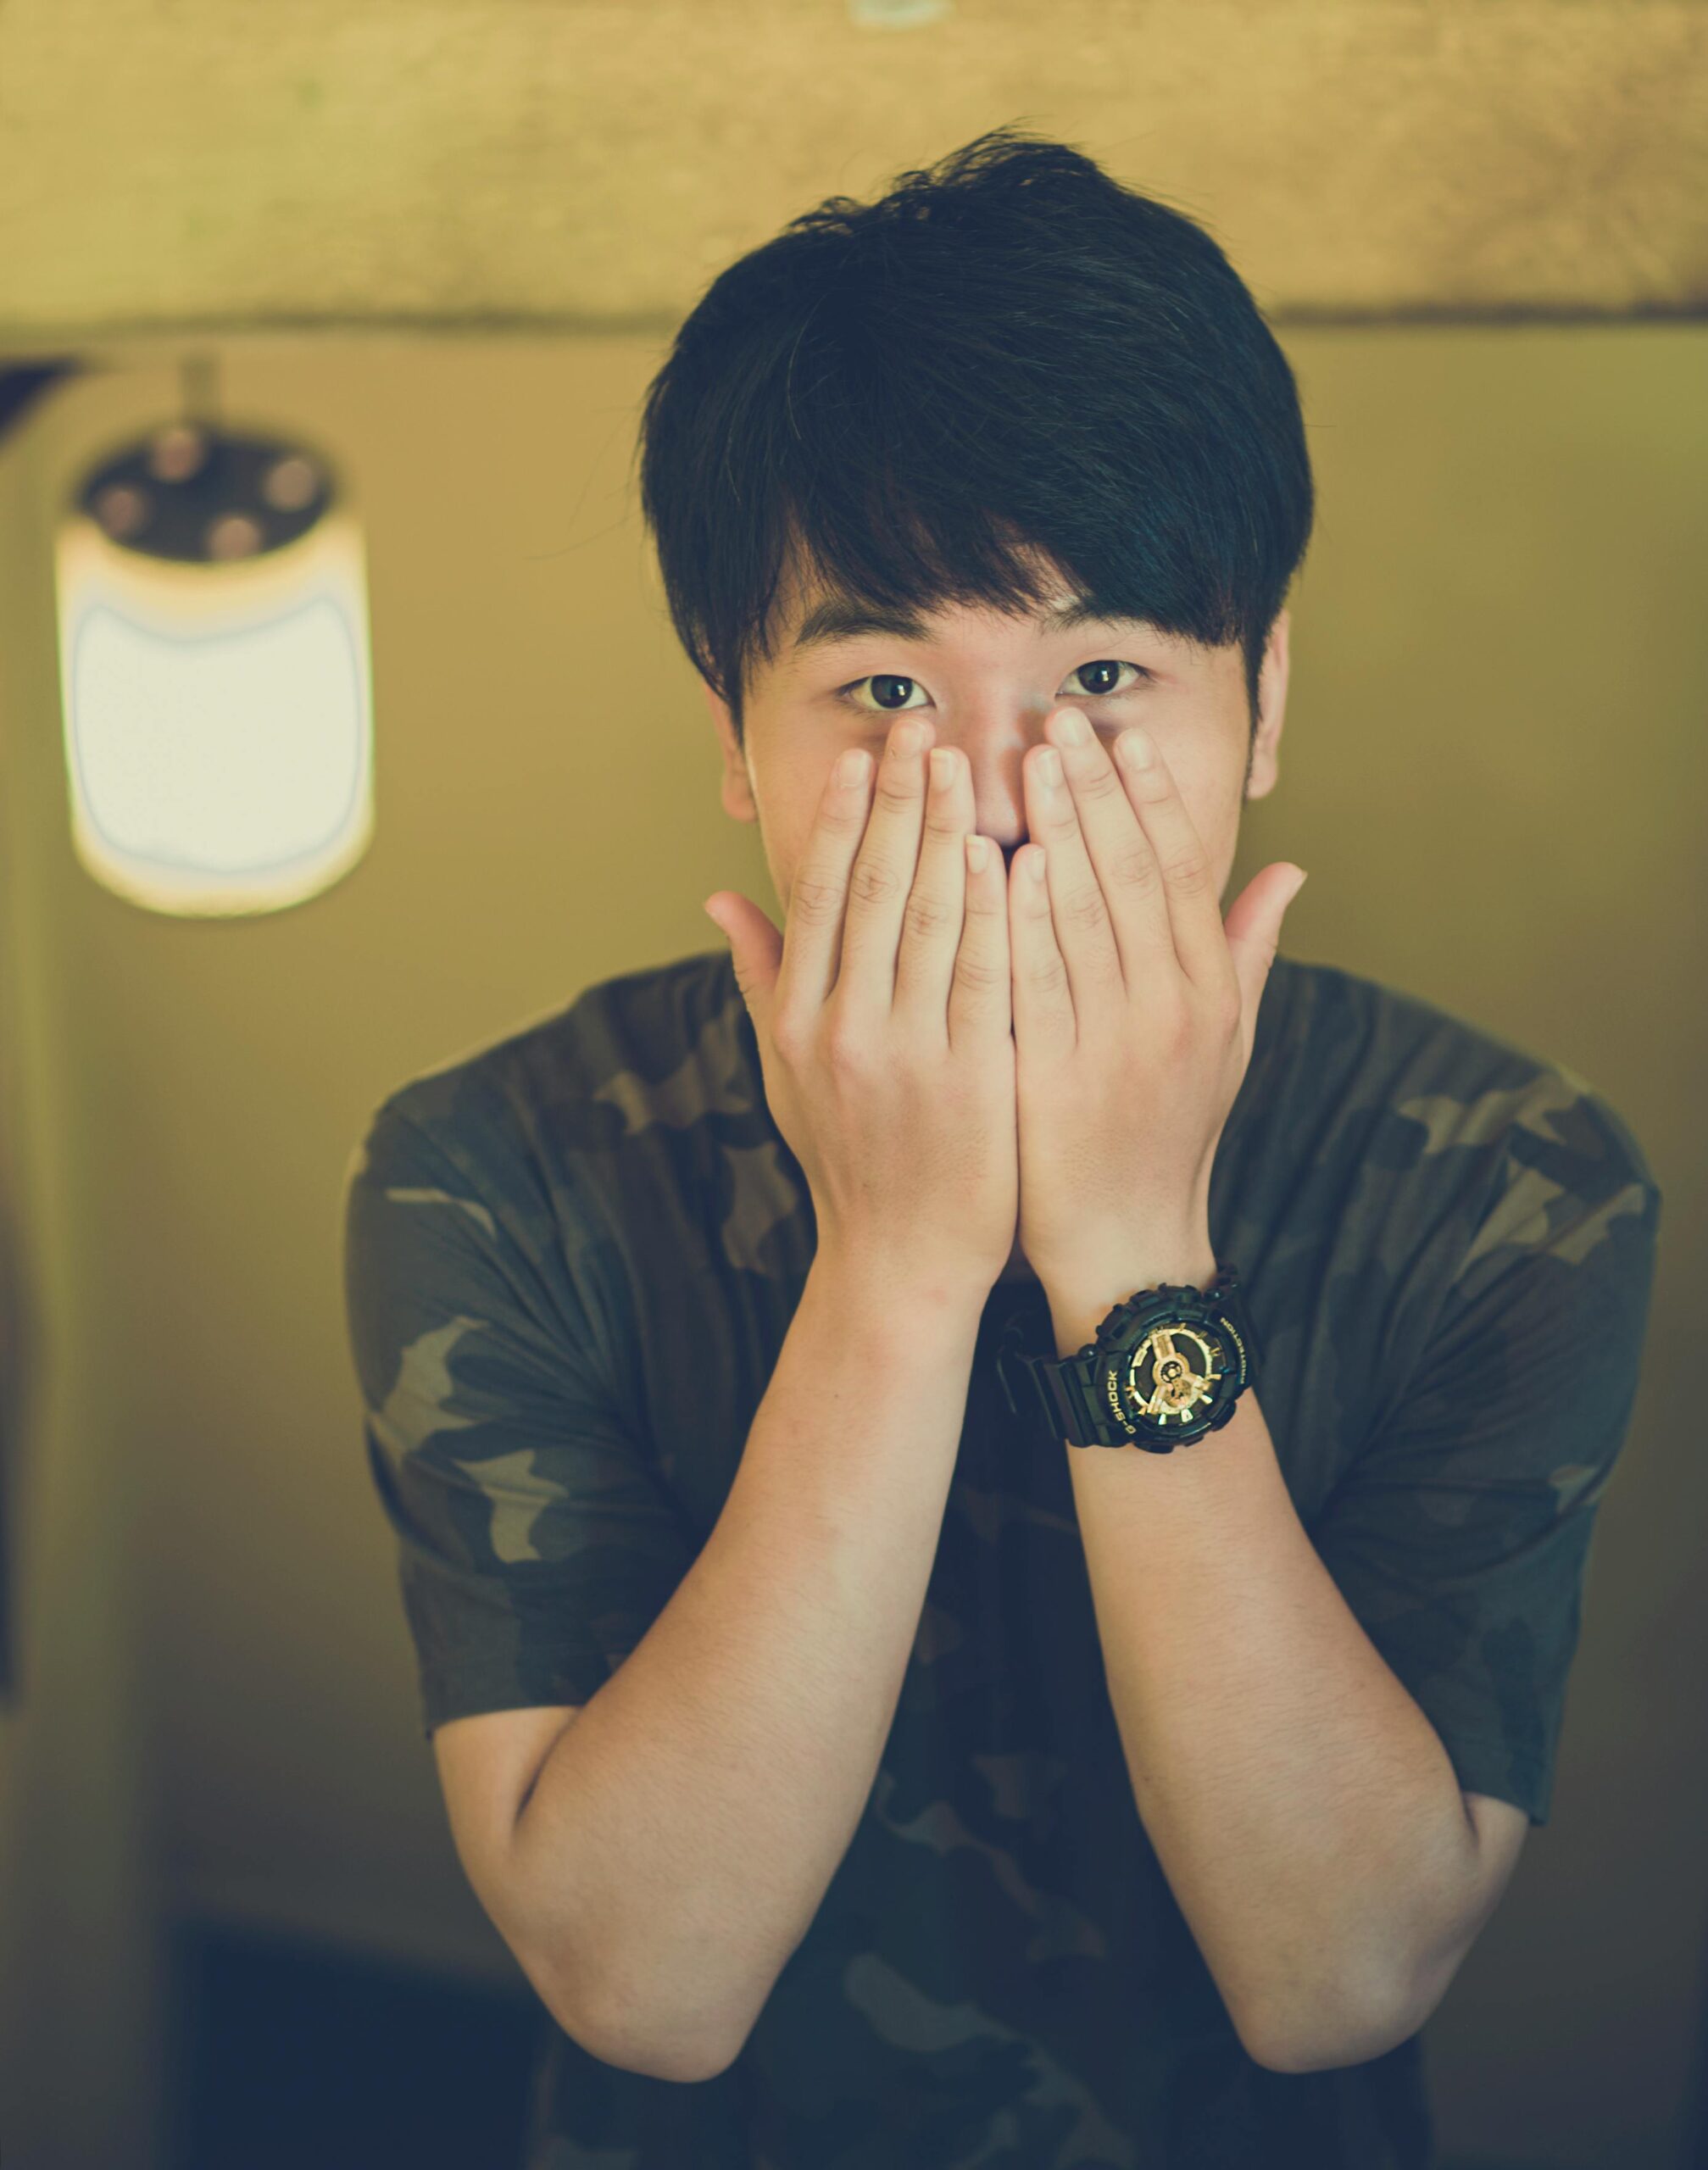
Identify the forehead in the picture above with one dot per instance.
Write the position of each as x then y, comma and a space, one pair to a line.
832, 618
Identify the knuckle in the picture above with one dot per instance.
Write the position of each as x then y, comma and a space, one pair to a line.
847, 1045
979, 974
1102, 783
788, 1037
1188, 873
815, 898
1086, 909
895, 788
1048, 976
873, 880
838, 816
1174, 1027
925, 914
1136, 869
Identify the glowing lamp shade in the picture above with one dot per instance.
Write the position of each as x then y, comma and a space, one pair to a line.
218, 712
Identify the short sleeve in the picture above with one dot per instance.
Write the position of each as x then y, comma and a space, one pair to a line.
536, 1541
1461, 1535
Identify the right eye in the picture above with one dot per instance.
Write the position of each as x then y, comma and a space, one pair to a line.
875, 678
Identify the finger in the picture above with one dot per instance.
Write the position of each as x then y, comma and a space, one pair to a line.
756, 949
1189, 880
1122, 858
818, 895
1043, 1007
1254, 932
1084, 933
882, 882
980, 1003
931, 925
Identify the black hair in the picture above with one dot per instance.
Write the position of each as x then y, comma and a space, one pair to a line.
1011, 363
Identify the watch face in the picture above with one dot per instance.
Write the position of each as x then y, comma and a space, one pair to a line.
1178, 1376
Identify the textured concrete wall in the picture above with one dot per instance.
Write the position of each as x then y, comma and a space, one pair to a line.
169, 163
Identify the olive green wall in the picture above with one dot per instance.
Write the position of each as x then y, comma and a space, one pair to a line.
1493, 771
81, 2048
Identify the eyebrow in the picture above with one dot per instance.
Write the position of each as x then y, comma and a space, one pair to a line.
837, 619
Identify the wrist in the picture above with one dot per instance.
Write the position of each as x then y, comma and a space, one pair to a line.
875, 1292
1082, 1299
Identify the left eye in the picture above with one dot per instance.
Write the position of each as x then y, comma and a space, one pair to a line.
897, 678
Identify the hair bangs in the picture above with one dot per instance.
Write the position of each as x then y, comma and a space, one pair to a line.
1008, 375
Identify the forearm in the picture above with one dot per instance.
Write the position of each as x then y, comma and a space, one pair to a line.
1307, 1819
689, 1820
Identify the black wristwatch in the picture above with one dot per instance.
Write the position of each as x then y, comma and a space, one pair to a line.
1166, 1367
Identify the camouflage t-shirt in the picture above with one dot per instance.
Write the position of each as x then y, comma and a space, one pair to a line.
571, 1258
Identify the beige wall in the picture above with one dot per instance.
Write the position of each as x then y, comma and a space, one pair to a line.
1493, 771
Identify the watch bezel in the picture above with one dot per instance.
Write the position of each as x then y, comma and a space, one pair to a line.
1120, 1341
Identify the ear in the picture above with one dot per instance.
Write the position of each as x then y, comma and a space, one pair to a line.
738, 790
1264, 770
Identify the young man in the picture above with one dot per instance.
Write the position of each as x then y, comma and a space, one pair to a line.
993, 1486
